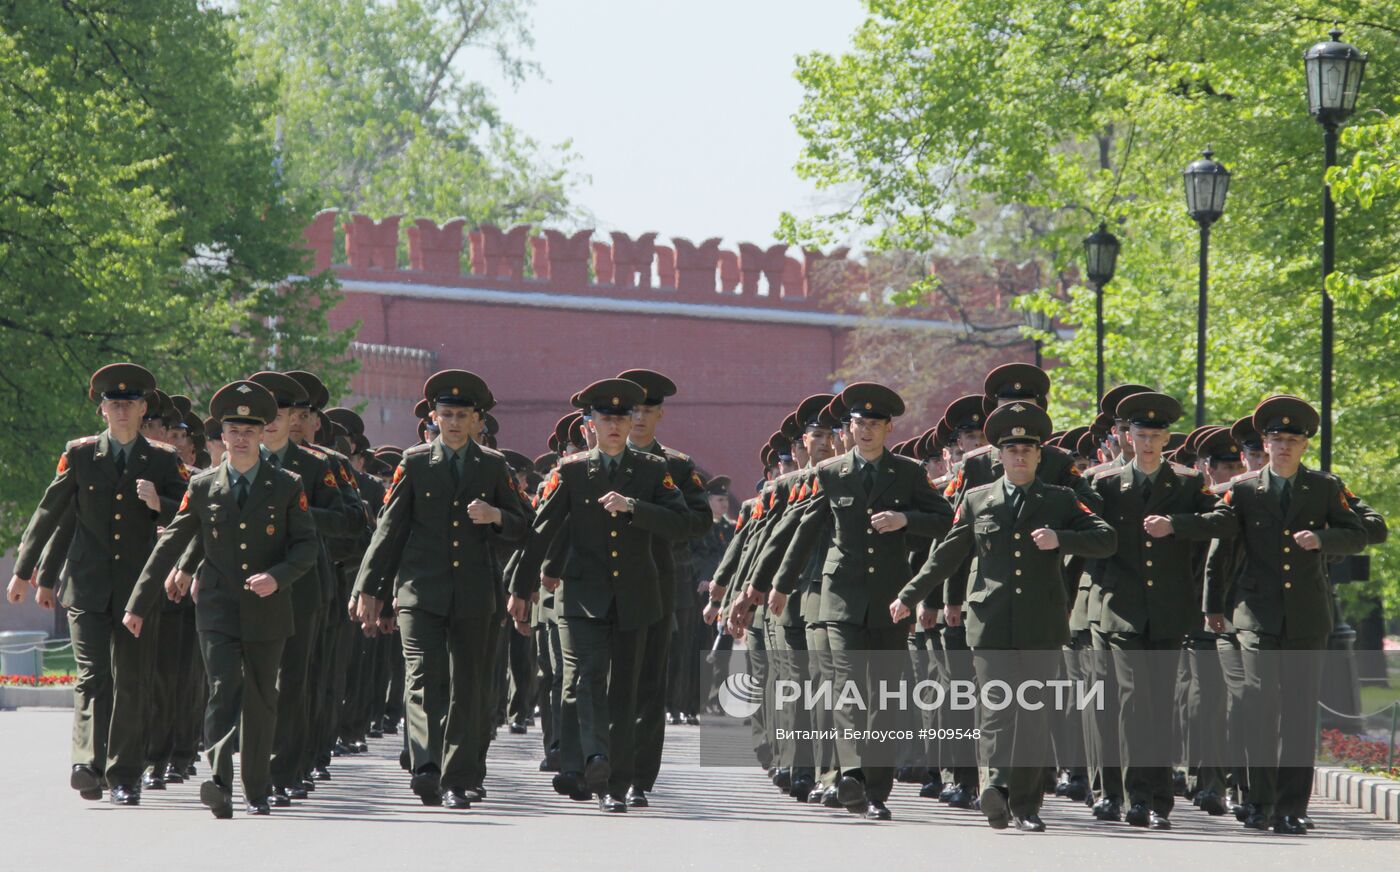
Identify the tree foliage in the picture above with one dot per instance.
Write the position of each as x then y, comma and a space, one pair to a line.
141, 218
378, 110
949, 116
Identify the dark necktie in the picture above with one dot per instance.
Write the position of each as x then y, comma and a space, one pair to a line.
121, 462
612, 468
1285, 496
868, 478
456, 469
240, 490
1018, 497
1146, 489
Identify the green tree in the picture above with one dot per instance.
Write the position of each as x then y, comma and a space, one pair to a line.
141, 218
378, 112
942, 113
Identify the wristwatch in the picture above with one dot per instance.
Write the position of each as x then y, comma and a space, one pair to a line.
631, 504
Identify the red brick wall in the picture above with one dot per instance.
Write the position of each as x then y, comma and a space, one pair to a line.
522, 311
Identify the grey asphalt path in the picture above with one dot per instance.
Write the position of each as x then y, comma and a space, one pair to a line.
716, 818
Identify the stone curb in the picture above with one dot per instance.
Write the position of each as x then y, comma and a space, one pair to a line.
1369, 793
25, 697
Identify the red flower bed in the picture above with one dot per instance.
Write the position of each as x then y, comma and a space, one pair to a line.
1354, 750
41, 681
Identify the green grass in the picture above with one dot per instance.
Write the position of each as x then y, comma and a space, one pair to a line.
60, 662
1374, 698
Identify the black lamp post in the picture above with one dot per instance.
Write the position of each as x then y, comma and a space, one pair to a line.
1334, 71
1101, 255
1207, 182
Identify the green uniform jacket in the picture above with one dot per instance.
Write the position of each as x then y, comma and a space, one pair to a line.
728, 567
1019, 599
799, 492
983, 466
1149, 585
272, 533
441, 561
673, 557
112, 529
609, 566
1278, 588
863, 569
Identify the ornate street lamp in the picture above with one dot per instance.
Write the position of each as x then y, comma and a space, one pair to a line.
1207, 183
1101, 256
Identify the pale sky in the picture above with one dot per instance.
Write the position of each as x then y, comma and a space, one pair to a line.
679, 111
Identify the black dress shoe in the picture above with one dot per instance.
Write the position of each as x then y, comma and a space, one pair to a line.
1179, 783
851, 792
455, 799
376, 734
611, 804
1076, 789
259, 807
173, 775
1062, 785
1306, 821
428, 787
596, 772
782, 779
549, 764
637, 798
1138, 815
692, 721
1210, 802
994, 806
568, 783
877, 811
1030, 823
279, 797
361, 748
519, 729
1256, 821
947, 792
1244, 811
962, 798
216, 799
153, 781
123, 795
297, 791
308, 785
1108, 810
1287, 825
1158, 822
191, 771
404, 761
320, 773
931, 790
391, 728
474, 794
908, 775
831, 798
673, 719
86, 781
817, 794
340, 749
801, 787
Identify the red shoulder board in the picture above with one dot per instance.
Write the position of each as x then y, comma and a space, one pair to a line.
1346, 490
792, 495
1343, 498
185, 502
668, 482
184, 470
552, 485
757, 510
398, 474
329, 479
816, 485
699, 482
806, 492
1083, 508
387, 494
739, 523
62, 463
346, 477
957, 516
953, 485
1074, 471
772, 498
1228, 495
301, 501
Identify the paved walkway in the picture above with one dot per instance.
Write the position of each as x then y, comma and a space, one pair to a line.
700, 817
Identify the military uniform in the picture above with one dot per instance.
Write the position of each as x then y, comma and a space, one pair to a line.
224, 541
109, 532
445, 583
1018, 601
1280, 601
609, 591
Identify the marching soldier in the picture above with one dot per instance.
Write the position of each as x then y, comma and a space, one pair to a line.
1019, 528
1147, 607
608, 504
450, 502
876, 502
245, 534
1274, 576
114, 489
